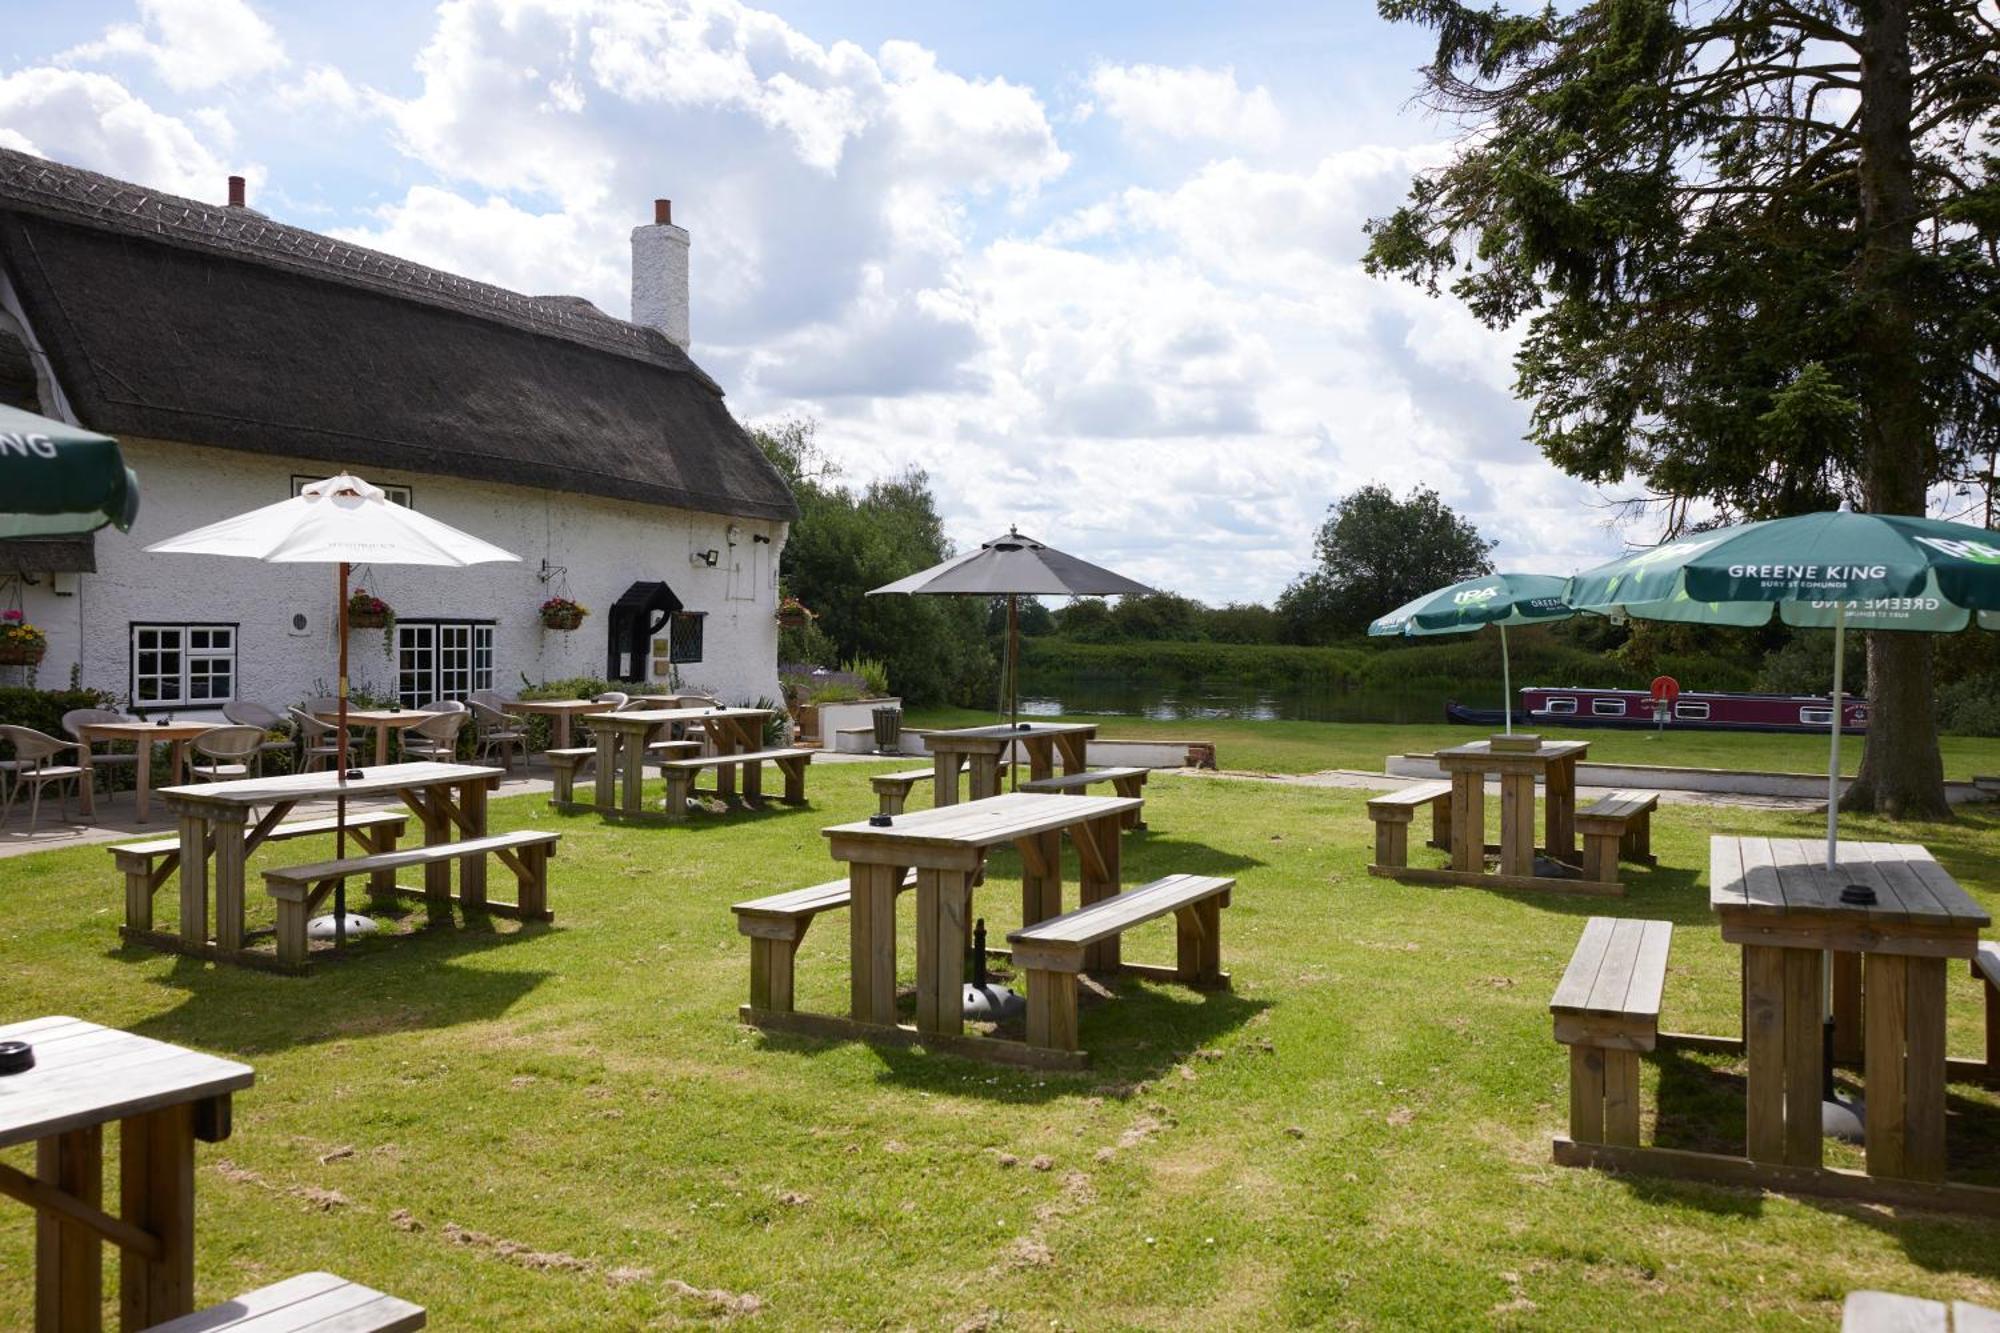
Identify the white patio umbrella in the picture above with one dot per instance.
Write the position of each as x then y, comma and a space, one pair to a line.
341, 521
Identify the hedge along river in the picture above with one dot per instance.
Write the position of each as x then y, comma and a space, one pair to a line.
1053, 695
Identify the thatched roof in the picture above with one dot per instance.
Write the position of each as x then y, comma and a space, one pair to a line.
169, 319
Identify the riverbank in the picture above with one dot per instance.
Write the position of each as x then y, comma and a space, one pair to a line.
1313, 747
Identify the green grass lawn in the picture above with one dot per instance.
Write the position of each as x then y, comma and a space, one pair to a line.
565, 1128
1309, 747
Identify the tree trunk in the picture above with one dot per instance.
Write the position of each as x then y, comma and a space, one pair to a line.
1901, 772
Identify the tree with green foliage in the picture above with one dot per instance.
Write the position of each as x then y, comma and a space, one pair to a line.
846, 542
1752, 247
1375, 553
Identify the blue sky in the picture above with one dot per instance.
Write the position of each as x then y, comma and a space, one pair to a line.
1093, 266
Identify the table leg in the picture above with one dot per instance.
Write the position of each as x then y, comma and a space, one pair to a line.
607, 769
632, 758
1764, 1051
436, 819
984, 778
559, 727
944, 777
1042, 757
382, 743
942, 897
1075, 751
1805, 1054
1041, 876
1847, 1020
472, 870
87, 795
230, 854
1468, 821
728, 740
142, 768
156, 1192
1560, 816
69, 1257
871, 926
1097, 849
1517, 824
194, 879
1885, 997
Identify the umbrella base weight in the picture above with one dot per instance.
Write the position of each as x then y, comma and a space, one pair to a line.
326, 927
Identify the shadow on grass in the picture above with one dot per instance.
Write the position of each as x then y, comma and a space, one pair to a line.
401, 983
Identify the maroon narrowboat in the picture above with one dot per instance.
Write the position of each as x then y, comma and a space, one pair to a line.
1574, 706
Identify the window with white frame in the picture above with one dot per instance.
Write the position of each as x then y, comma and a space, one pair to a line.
442, 659
183, 666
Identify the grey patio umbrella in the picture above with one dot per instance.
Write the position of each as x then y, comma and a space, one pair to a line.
57, 479
1014, 566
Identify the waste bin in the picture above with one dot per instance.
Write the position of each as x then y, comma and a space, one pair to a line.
888, 731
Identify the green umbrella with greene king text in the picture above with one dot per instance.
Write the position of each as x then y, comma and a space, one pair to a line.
57, 479
1473, 604
1829, 570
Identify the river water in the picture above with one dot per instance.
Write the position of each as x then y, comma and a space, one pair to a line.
1055, 695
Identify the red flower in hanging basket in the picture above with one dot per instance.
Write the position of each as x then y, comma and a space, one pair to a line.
367, 611
560, 613
793, 614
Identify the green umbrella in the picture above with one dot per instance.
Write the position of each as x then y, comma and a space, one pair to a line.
1869, 571
59, 479
1473, 604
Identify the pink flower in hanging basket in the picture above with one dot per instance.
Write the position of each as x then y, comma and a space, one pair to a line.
15, 616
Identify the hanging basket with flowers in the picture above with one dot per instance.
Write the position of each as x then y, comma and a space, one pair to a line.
367, 611
21, 644
560, 613
792, 614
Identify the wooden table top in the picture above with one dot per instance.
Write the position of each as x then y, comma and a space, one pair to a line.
1774, 883
145, 731
376, 780
553, 706
85, 1074
1003, 732
376, 717
985, 823
652, 717
1484, 750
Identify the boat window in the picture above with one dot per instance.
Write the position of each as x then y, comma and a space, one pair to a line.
1816, 717
1691, 709
1560, 706
1608, 707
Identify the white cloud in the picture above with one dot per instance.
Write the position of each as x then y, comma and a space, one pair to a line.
192, 44
324, 88
92, 120
1186, 102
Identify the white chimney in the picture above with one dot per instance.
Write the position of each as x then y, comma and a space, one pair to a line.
660, 275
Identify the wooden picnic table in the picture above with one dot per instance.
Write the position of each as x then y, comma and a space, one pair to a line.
163, 1098
622, 739
559, 711
947, 848
677, 700
381, 721
1777, 899
215, 817
1553, 763
144, 736
980, 750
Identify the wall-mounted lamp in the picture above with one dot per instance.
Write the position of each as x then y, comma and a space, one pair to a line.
708, 558
760, 539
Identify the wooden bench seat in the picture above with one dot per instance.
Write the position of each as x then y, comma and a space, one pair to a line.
308, 1303
1986, 967
776, 924
1124, 781
1394, 812
680, 775
148, 865
892, 790
1616, 826
300, 889
1607, 1010
1052, 952
567, 764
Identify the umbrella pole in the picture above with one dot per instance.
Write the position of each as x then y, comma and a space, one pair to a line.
1506, 681
1013, 686
1833, 746
340, 791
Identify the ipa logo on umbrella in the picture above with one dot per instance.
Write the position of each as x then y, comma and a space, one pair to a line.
1964, 550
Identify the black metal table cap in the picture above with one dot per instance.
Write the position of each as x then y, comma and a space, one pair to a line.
16, 1057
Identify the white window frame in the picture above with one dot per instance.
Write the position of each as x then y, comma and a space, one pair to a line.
1560, 706
1821, 716
1602, 707
456, 659
395, 493
188, 670
1695, 709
